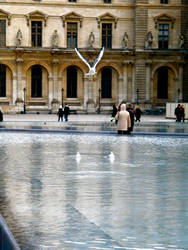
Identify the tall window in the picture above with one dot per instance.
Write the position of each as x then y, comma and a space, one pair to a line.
36, 33
72, 35
72, 1
2, 80
107, 1
107, 35
2, 33
164, 1
71, 82
162, 86
106, 83
163, 36
36, 81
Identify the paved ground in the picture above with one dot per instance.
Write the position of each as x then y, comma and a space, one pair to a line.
75, 118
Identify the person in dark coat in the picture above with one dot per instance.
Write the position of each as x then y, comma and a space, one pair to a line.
131, 112
66, 112
138, 114
60, 114
1, 116
177, 113
114, 112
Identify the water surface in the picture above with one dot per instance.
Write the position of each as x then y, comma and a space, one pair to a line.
70, 191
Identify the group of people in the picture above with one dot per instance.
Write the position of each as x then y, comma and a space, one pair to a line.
125, 116
180, 113
63, 112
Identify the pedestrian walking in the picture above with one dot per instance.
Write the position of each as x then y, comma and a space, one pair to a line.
177, 113
124, 121
66, 112
60, 113
1, 116
138, 114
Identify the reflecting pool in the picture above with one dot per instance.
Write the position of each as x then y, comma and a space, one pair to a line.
71, 191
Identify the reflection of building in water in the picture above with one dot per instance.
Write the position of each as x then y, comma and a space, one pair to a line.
44, 66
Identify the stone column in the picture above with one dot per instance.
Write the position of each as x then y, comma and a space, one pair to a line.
14, 89
180, 82
123, 83
55, 63
50, 91
133, 84
148, 80
89, 101
19, 87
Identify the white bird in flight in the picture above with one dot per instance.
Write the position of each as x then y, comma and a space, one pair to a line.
91, 69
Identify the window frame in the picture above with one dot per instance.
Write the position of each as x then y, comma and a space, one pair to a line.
3, 34
106, 34
72, 34
36, 36
163, 37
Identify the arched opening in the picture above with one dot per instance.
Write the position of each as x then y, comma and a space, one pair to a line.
36, 81
72, 82
106, 83
2, 80
162, 83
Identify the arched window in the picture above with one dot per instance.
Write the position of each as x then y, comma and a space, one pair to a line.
71, 82
162, 84
36, 81
2, 80
106, 83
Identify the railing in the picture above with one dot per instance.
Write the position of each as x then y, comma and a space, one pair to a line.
7, 241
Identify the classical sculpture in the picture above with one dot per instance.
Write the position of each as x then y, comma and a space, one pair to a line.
55, 39
92, 70
125, 41
182, 41
19, 38
91, 40
149, 40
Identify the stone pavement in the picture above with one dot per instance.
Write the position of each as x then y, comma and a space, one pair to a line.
75, 118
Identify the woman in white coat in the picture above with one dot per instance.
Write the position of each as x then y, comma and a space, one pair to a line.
124, 121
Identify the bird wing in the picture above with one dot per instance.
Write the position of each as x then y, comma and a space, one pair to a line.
82, 58
98, 58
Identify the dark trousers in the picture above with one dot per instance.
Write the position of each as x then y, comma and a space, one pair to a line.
123, 132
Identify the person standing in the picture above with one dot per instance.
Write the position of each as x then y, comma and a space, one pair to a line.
131, 113
138, 113
182, 112
1, 116
66, 112
60, 113
124, 121
114, 112
177, 113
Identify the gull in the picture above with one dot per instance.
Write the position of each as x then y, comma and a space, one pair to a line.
78, 157
112, 157
91, 69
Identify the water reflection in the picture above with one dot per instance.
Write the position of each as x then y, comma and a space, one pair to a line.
52, 201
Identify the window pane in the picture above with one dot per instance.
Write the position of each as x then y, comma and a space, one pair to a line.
72, 35
2, 33
71, 82
36, 33
162, 88
107, 35
106, 83
2, 80
36, 81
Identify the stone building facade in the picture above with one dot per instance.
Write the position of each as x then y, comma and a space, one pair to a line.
145, 57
